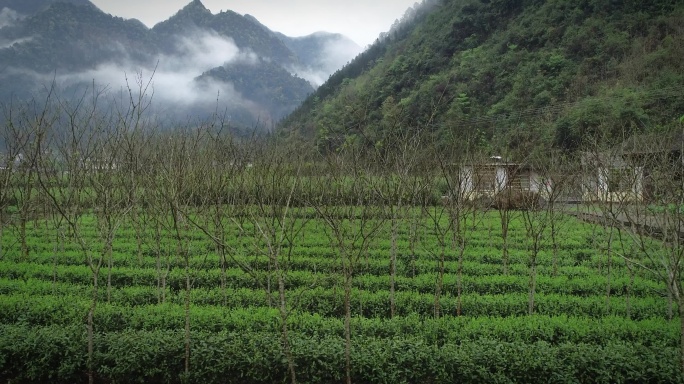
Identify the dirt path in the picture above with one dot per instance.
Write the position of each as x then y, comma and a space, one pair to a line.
659, 226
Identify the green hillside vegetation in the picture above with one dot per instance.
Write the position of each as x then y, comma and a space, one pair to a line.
506, 73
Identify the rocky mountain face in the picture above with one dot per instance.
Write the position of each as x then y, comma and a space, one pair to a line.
196, 62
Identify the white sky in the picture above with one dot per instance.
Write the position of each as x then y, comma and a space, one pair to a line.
360, 20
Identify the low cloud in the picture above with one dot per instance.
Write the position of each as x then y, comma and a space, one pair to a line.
175, 93
7, 44
8, 17
335, 55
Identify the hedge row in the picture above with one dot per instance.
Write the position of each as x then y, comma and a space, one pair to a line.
47, 310
57, 355
169, 316
477, 278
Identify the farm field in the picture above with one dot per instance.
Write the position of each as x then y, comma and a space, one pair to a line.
173, 306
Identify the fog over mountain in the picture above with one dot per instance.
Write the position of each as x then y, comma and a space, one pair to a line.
196, 63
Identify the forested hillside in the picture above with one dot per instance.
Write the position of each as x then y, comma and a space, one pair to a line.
499, 73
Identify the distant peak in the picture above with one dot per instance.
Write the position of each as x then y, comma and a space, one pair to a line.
195, 5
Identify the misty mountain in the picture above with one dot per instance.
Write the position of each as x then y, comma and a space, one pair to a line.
320, 53
198, 62
242, 30
31, 7
506, 74
69, 37
266, 83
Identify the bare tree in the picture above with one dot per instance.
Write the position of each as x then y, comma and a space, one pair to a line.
276, 177
179, 162
536, 221
131, 115
655, 215
62, 149
19, 175
399, 187
352, 220
16, 135
613, 186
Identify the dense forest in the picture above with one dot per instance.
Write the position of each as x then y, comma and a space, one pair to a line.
504, 74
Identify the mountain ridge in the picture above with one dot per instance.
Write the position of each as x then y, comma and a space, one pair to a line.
77, 43
28, 8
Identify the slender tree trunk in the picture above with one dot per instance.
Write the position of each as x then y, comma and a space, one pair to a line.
609, 272
347, 324
187, 315
26, 216
459, 279
158, 251
593, 244
628, 291
504, 240
139, 241
393, 263
91, 331
159, 277
224, 292
163, 285
554, 241
60, 242
413, 239
680, 303
284, 330
165, 274
533, 280
110, 263
139, 228
268, 285
22, 235
440, 283
54, 269
2, 232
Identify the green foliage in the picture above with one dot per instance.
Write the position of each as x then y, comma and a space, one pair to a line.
573, 337
580, 70
240, 357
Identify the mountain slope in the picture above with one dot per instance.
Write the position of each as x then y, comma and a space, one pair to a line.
74, 37
264, 84
31, 7
242, 30
502, 73
194, 60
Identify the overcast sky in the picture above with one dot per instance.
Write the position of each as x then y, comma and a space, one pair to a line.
360, 20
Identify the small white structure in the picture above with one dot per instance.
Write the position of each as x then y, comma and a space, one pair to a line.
489, 179
612, 178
